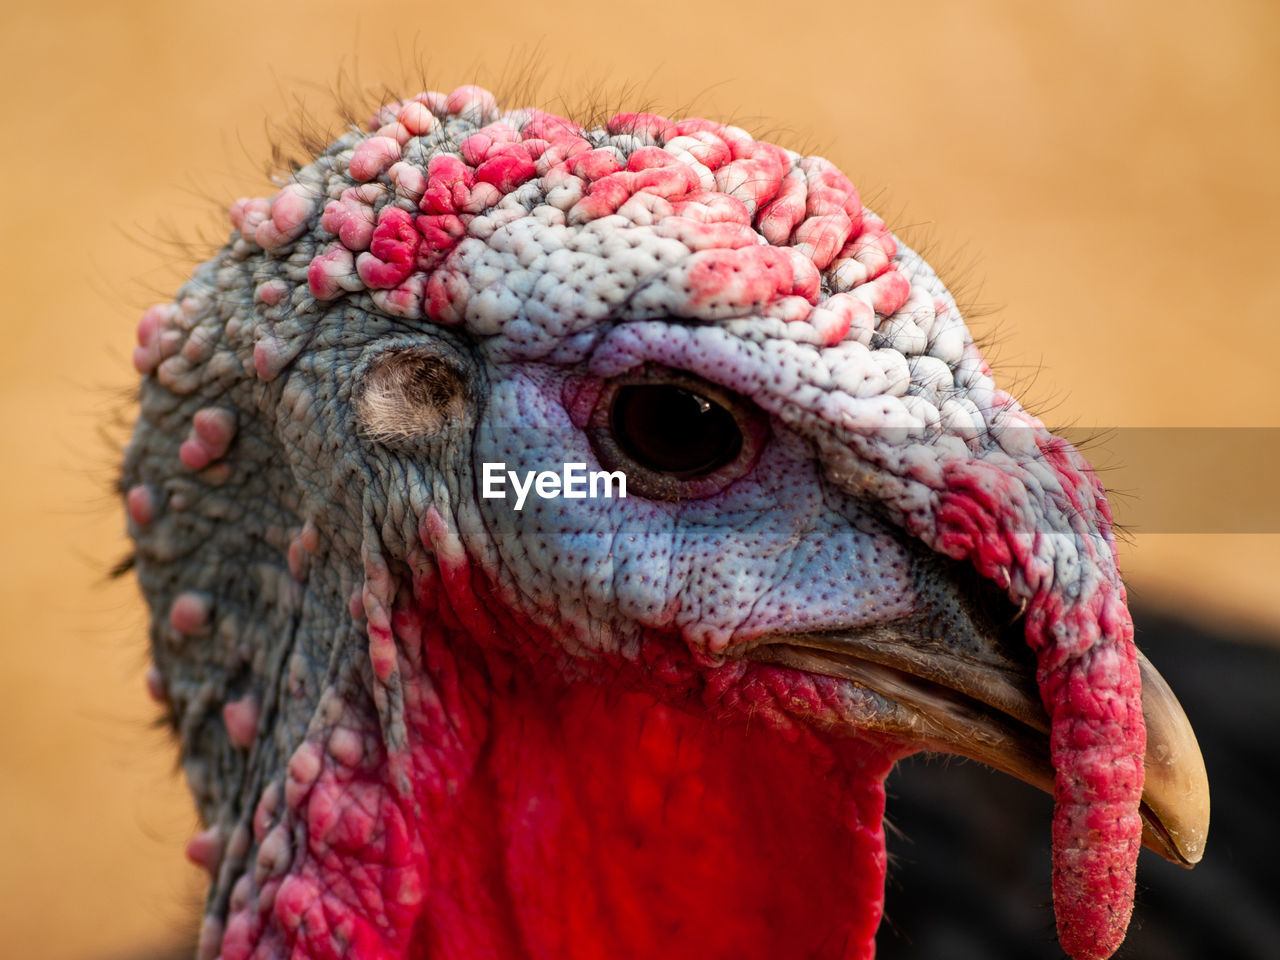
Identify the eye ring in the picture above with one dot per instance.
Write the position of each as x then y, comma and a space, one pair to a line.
674, 435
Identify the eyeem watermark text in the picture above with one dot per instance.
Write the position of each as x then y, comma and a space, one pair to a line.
572, 483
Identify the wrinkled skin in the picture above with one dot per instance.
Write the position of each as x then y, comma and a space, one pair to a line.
419, 722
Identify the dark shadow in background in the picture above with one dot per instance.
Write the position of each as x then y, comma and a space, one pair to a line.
969, 848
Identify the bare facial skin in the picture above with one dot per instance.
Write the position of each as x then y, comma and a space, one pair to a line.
417, 718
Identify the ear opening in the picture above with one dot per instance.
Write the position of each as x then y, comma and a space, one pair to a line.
412, 393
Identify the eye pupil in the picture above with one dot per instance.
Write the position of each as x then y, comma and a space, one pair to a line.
673, 430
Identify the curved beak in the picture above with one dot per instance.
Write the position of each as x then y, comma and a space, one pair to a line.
956, 683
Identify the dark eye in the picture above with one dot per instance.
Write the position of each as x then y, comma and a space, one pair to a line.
673, 430
675, 437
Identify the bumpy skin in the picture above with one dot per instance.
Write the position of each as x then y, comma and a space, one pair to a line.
378, 676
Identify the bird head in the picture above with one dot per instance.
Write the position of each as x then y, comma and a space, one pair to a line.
554, 535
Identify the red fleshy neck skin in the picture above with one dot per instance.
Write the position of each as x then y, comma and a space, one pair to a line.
501, 800
599, 821
602, 825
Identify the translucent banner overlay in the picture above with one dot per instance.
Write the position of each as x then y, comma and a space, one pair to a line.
1165, 480
1187, 479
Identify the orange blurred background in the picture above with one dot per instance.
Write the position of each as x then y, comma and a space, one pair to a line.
1099, 176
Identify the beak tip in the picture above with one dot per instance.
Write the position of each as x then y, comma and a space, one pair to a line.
1175, 800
